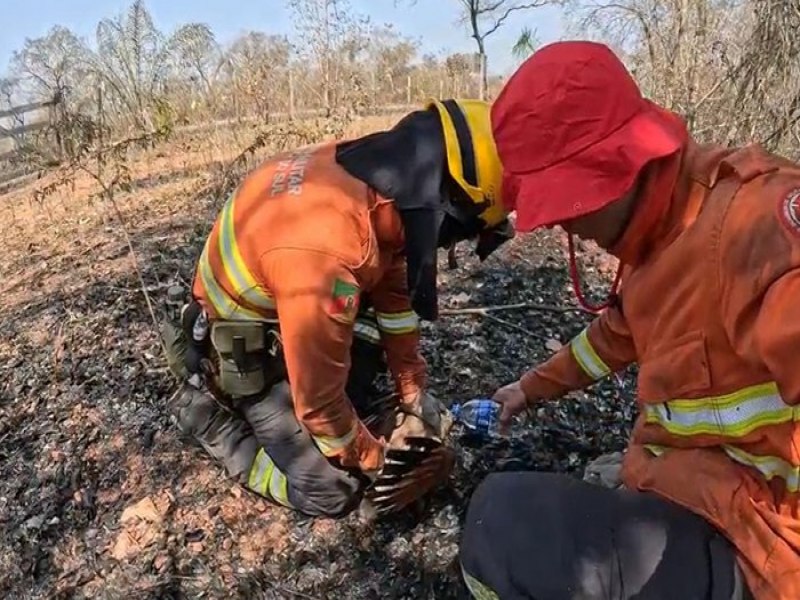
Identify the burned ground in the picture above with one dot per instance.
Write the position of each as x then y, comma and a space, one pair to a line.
100, 498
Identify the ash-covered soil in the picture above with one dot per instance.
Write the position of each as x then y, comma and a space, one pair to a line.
99, 498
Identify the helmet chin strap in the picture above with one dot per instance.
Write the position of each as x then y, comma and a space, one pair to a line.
576, 282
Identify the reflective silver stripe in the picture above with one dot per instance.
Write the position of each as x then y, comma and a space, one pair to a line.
243, 282
398, 323
587, 357
731, 415
266, 479
367, 331
331, 445
223, 305
769, 466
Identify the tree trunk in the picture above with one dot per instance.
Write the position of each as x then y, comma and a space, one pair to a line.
291, 94
484, 77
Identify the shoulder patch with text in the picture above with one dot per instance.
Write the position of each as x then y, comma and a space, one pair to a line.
343, 304
790, 211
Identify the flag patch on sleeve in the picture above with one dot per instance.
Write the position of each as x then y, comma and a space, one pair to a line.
344, 301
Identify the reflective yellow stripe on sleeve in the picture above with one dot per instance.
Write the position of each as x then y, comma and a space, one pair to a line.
731, 415
331, 445
587, 357
398, 323
267, 480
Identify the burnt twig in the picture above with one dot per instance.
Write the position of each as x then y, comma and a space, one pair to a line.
483, 310
519, 328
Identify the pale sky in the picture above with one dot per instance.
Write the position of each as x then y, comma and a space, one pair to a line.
432, 21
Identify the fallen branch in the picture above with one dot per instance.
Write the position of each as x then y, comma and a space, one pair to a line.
131, 290
483, 310
519, 328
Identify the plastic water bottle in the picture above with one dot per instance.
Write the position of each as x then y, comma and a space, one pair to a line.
481, 416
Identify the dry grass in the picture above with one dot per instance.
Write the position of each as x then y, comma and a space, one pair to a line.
66, 238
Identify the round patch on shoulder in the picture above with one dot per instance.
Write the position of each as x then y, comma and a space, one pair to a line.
790, 211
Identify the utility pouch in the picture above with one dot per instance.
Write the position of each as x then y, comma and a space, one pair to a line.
176, 344
249, 356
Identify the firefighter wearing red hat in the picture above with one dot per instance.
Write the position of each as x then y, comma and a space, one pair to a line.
319, 266
708, 240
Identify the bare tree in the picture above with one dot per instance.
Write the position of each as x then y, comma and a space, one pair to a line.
257, 67
52, 65
769, 76
485, 17
134, 60
730, 67
388, 61
133, 78
8, 89
331, 34
460, 69
197, 54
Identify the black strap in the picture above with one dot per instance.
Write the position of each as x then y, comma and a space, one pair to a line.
240, 354
408, 164
465, 146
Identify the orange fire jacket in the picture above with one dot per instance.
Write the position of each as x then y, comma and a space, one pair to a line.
710, 310
300, 240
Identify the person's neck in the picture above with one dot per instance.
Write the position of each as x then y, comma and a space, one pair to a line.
647, 218
631, 205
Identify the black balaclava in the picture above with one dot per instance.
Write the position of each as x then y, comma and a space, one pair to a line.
408, 164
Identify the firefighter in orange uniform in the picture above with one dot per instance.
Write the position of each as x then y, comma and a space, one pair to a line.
318, 269
708, 305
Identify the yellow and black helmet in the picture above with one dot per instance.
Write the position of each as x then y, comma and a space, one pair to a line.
472, 158
440, 167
